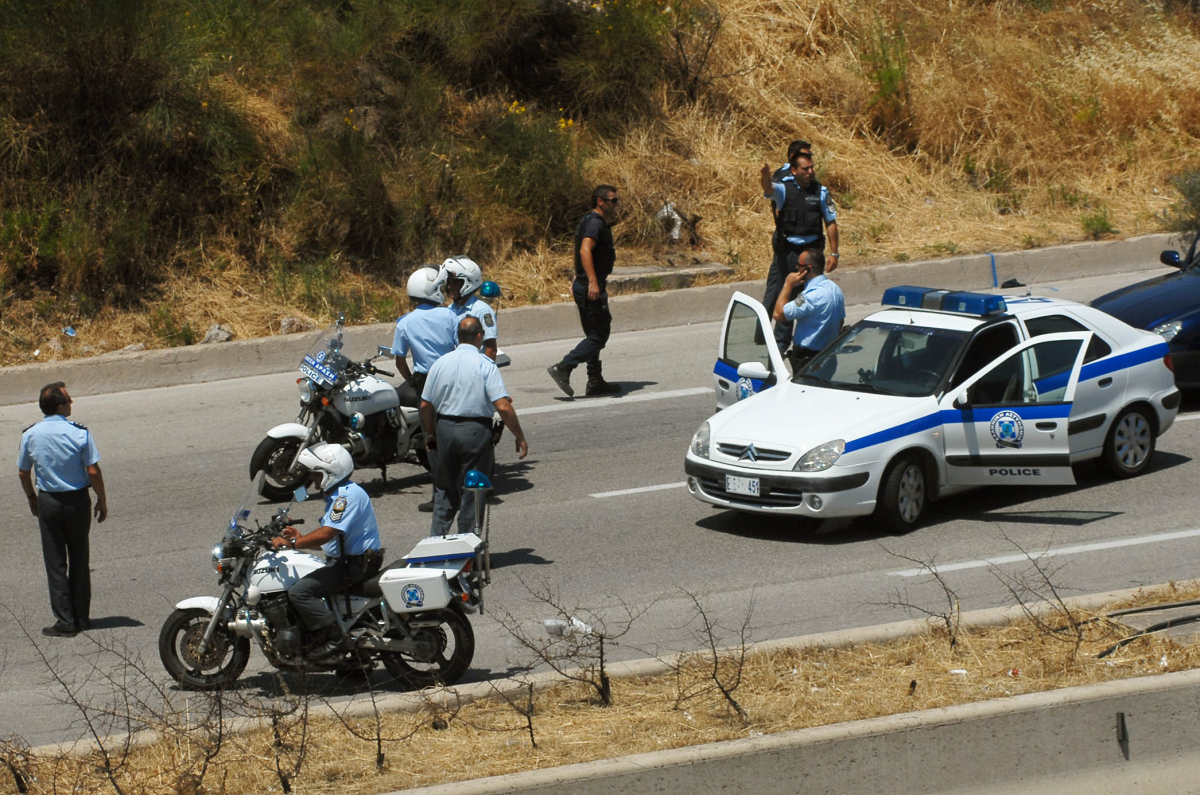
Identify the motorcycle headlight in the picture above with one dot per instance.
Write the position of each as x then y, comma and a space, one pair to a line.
700, 440
1169, 329
306, 389
821, 457
218, 557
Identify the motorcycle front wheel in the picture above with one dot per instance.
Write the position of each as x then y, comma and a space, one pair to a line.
274, 456
218, 667
442, 654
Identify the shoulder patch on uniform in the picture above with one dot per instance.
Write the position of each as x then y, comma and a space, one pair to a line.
339, 508
78, 425
489, 320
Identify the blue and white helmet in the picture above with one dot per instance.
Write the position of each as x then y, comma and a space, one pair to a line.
425, 284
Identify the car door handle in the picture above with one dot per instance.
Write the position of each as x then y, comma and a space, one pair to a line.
1103, 382
722, 384
1046, 426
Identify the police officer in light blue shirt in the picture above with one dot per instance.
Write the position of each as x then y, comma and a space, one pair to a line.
463, 278
819, 311
348, 516
428, 333
63, 456
462, 392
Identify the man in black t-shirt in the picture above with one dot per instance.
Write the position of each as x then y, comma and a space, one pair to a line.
594, 258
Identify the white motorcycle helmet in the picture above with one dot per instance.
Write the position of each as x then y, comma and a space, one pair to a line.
425, 284
331, 460
464, 268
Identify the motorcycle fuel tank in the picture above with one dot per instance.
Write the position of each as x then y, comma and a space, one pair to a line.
366, 395
275, 571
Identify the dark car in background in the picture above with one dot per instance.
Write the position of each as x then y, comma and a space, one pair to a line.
1168, 305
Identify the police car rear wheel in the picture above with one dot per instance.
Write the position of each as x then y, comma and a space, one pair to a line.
1130, 444
902, 495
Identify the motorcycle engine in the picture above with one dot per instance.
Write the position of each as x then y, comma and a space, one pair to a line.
285, 630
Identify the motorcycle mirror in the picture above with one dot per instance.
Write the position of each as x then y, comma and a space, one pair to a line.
384, 351
300, 494
357, 421
489, 289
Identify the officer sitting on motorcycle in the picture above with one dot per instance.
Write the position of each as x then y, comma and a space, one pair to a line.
348, 517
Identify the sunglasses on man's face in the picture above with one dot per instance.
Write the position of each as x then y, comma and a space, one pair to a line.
613, 200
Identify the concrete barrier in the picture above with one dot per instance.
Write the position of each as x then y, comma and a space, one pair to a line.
120, 372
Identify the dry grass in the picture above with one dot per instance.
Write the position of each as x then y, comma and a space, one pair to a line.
780, 691
1009, 125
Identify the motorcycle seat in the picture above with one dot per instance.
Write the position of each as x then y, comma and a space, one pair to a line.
369, 587
408, 396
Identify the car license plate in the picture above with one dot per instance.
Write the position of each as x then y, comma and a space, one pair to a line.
747, 486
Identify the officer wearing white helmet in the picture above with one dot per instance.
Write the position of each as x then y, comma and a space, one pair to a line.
428, 332
348, 517
463, 277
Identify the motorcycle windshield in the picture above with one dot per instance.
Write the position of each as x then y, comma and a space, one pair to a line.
325, 363
243, 518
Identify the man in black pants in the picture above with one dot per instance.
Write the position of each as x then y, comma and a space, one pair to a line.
594, 259
66, 461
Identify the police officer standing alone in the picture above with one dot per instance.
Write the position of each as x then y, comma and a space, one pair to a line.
428, 332
595, 256
462, 392
349, 517
64, 458
818, 312
805, 214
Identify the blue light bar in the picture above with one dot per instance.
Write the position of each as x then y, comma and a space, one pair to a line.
978, 304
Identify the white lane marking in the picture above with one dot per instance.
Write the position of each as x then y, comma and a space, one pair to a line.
1188, 417
1050, 553
636, 397
641, 490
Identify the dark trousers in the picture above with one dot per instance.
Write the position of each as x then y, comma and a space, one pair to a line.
308, 593
798, 357
410, 392
65, 518
785, 262
462, 445
597, 325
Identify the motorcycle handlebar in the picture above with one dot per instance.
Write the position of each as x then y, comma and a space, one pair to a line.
291, 522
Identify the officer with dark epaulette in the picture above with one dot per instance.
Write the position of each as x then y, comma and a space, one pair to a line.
64, 459
804, 216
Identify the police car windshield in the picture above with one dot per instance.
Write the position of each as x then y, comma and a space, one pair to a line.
886, 358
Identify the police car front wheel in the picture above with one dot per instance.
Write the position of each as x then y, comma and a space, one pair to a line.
902, 495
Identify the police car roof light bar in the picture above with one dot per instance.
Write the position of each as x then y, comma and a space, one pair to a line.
909, 297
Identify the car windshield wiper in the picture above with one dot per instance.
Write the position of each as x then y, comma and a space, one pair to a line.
810, 377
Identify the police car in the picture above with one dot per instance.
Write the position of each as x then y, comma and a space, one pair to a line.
938, 392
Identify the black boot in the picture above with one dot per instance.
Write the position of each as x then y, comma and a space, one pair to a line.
596, 385
336, 645
562, 377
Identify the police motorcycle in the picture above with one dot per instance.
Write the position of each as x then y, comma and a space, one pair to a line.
412, 616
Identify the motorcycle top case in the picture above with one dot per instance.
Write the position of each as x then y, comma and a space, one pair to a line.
415, 590
446, 552
366, 395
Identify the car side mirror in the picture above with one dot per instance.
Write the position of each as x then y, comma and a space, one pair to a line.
962, 401
1170, 258
755, 370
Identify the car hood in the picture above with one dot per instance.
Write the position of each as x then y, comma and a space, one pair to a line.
1149, 303
800, 416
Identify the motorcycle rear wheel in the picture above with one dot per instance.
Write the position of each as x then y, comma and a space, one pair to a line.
451, 645
275, 456
220, 665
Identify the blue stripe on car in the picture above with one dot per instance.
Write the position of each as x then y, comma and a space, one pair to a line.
943, 417
729, 372
1122, 361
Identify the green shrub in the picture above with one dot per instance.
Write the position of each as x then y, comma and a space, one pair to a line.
1184, 214
1097, 223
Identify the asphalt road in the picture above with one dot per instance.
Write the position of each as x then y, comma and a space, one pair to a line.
597, 513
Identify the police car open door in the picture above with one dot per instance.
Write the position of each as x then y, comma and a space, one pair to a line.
1007, 424
748, 360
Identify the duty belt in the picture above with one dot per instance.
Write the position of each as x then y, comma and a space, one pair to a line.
481, 420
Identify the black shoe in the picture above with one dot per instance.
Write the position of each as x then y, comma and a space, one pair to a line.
426, 507
83, 626
601, 387
334, 648
562, 377
60, 631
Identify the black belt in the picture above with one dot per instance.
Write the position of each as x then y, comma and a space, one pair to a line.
481, 420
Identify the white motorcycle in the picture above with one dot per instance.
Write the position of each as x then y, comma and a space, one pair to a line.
344, 401
412, 616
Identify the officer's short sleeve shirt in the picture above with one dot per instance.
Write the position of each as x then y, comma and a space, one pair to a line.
819, 316
464, 383
349, 510
59, 452
429, 332
477, 308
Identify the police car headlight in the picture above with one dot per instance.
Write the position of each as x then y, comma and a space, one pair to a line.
1168, 330
217, 557
305, 389
700, 441
821, 457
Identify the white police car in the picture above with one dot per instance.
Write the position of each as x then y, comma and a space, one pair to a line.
938, 392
